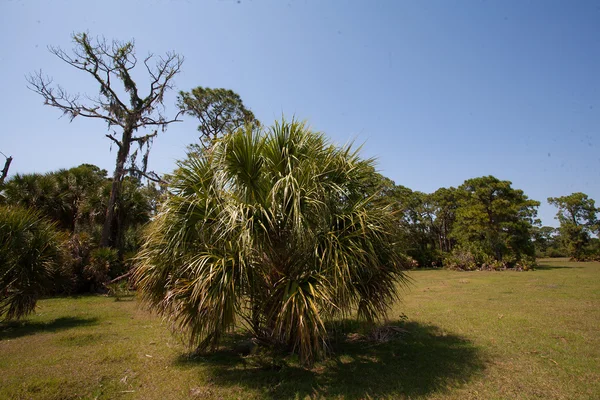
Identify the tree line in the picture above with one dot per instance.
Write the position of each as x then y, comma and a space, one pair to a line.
485, 223
482, 224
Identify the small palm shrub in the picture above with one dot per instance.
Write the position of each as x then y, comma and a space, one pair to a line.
31, 257
471, 259
525, 264
461, 259
276, 230
79, 247
103, 265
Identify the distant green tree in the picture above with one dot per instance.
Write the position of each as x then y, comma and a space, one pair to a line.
31, 254
577, 214
445, 203
416, 225
375, 182
219, 111
425, 221
545, 240
133, 209
494, 221
594, 249
74, 188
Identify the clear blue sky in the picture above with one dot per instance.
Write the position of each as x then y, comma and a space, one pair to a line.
438, 91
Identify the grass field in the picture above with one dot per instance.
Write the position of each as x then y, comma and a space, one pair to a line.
479, 335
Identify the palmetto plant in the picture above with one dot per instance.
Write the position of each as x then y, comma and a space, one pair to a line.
31, 252
281, 231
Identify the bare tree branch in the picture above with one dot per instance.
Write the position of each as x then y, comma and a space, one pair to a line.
68, 104
110, 65
147, 121
91, 63
111, 137
150, 175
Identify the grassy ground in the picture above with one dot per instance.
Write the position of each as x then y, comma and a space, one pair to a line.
483, 335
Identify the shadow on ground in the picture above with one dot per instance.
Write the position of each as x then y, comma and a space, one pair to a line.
421, 361
15, 329
549, 267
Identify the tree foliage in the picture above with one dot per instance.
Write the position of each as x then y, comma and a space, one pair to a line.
494, 221
445, 204
545, 241
31, 254
484, 223
75, 200
577, 214
61, 195
219, 111
425, 222
416, 218
276, 230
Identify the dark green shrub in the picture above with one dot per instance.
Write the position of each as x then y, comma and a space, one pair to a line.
103, 265
79, 246
461, 259
525, 264
555, 253
31, 257
473, 259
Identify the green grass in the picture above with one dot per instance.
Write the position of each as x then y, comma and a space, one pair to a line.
480, 335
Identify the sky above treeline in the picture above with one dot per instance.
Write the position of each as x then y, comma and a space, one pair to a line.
437, 91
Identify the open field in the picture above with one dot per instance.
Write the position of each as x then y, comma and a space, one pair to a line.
484, 335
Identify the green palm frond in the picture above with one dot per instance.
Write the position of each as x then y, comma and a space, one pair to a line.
31, 252
277, 229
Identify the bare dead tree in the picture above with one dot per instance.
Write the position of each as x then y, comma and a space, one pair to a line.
110, 64
4, 172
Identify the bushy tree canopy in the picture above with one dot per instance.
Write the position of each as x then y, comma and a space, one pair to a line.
61, 195
494, 220
577, 214
219, 111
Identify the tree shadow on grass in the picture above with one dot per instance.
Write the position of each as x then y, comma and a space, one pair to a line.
422, 361
15, 329
545, 267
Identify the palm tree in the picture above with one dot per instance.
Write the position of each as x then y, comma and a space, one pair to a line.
38, 191
281, 231
31, 252
59, 195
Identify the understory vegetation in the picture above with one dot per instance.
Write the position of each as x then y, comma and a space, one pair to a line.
31, 257
73, 202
